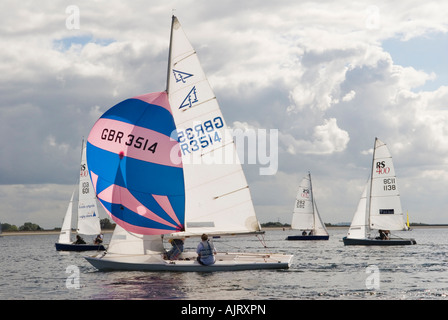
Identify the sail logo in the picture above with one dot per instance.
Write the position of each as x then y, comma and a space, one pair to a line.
181, 76
305, 193
190, 99
381, 167
84, 172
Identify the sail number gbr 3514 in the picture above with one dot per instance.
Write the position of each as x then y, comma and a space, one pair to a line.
129, 140
199, 136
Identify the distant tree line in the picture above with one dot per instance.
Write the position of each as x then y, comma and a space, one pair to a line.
106, 224
275, 225
29, 226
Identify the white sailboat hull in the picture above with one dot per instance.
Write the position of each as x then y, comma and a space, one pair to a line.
224, 262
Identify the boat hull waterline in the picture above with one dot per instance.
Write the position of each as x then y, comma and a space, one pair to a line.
308, 238
79, 247
224, 262
378, 242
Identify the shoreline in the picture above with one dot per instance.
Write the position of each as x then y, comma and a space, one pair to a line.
43, 232
56, 232
429, 226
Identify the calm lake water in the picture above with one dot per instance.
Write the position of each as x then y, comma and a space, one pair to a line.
31, 269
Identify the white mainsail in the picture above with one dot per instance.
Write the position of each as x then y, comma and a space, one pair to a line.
380, 205
217, 195
88, 219
305, 214
385, 206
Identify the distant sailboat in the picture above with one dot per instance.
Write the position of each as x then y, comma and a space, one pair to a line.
88, 222
379, 208
153, 160
408, 226
306, 216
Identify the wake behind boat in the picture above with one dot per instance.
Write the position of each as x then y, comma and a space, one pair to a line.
306, 217
87, 219
156, 162
379, 209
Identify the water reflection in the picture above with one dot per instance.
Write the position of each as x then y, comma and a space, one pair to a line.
141, 285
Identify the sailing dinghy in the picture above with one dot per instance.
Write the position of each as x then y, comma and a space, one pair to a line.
88, 222
306, 216
379, 209
160, 166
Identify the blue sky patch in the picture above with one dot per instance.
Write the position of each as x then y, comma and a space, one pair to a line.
64, 44
427, 53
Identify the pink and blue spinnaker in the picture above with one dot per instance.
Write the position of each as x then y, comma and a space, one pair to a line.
135, 165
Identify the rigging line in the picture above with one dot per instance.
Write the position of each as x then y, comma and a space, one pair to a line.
262, 240
226, 194
397, 236
186, 57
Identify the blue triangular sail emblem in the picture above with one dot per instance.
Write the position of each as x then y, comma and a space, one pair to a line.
190, 99
181, 76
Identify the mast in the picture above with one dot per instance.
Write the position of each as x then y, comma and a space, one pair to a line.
371, 184
312, 202
169, 55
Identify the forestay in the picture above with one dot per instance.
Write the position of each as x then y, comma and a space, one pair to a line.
66, 229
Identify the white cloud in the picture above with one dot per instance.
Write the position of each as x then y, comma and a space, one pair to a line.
315, 71
349, 96
328, 138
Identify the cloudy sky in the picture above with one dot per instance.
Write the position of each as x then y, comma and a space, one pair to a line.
329, 75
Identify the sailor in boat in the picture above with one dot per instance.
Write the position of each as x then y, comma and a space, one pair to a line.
79, 240
206, 251
177, 247
99, 239
384, 234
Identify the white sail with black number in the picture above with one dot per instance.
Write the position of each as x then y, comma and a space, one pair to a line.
385, 206
305, 214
